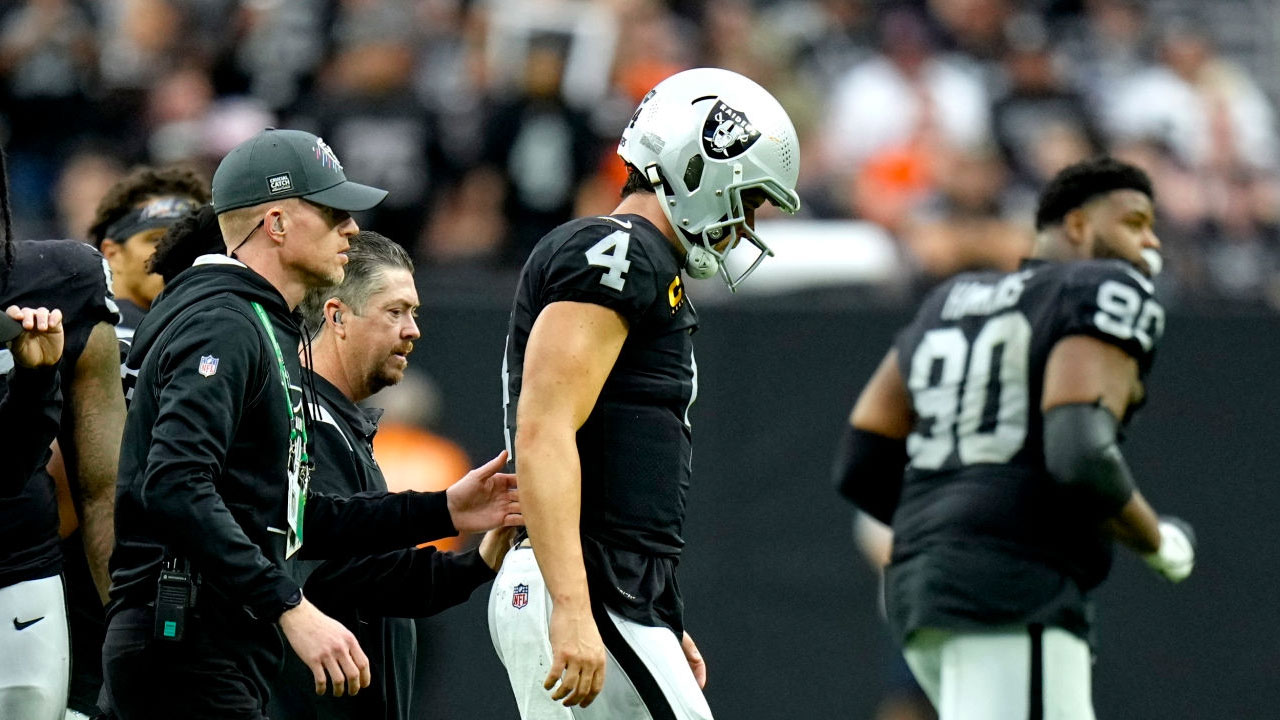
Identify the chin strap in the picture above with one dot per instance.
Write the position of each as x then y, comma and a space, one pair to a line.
699, 262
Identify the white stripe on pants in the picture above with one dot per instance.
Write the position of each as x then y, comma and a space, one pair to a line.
35, 661
987, 675
521, 638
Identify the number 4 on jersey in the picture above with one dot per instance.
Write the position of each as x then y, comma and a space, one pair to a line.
611, 253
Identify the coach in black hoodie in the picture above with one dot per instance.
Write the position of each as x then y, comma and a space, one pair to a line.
214, 463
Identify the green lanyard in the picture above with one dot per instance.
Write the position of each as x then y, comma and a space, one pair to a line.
299, 478
284, 382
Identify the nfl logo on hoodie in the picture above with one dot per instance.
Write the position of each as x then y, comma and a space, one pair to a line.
208, 365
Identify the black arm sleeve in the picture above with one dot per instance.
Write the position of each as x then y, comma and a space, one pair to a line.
373, 522
408, 583
868, 471
195, 425
29, 416
1080, 452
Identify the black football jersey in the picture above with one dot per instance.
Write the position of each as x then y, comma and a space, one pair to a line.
635, 446
982, 534
72, 277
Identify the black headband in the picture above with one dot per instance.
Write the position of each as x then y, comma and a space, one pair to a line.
159, 212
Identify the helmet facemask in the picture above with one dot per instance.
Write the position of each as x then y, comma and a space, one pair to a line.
733, 228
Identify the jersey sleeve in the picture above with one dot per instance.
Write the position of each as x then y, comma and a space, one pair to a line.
68, 275
86, 296
417, 582
909, 337
601, 264
1116, 304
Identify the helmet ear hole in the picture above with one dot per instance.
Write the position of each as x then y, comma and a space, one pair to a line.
693, 173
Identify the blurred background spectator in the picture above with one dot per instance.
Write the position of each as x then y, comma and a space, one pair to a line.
492, 121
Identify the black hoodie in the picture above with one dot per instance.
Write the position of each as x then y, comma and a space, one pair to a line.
204, 462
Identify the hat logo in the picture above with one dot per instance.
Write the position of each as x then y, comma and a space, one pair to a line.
326, 156
167, 207
277, 184
727, 133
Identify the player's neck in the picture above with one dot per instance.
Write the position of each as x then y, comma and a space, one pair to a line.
646, 205
123, 293
1055, 247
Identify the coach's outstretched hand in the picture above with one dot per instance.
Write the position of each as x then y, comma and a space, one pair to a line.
577, 655
326, 647
1177, 553
485, 498
42, 338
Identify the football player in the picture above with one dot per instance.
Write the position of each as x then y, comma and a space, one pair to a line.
34, 654
128, 224
129, 221
988, 439
599, 376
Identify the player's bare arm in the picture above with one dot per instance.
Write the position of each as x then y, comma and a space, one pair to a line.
868, 466
571, 349
884, 406
92, 446
1083, 370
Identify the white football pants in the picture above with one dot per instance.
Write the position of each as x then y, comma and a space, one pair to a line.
1015, 674
35, 650
646, 674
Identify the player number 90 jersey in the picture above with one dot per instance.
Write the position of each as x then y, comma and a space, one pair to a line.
974, 358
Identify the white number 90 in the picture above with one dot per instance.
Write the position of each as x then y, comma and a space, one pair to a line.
1122, 312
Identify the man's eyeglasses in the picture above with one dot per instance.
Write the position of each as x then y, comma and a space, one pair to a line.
333, 217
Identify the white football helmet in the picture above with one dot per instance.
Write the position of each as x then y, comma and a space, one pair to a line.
701, 138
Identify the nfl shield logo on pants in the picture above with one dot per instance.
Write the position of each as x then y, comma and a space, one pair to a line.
520, 597
208, 365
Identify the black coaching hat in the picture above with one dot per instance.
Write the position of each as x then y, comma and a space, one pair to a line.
276, 164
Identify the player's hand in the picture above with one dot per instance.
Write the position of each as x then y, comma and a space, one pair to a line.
696, 663
494, 546
485, 498
577, 657
42, 338
327, 647
1177, 553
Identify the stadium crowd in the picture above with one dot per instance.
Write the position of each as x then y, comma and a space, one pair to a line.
493, 122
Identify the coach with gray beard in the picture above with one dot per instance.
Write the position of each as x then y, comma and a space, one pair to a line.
366, 331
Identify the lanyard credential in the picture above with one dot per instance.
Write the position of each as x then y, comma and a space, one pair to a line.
298, 474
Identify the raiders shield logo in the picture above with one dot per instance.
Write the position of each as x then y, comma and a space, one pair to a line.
520, 596
727, 133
